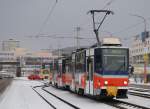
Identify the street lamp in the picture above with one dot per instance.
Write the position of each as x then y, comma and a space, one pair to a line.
145, 48
141, 17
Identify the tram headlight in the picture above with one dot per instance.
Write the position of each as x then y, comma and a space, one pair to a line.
125, 82
106, 82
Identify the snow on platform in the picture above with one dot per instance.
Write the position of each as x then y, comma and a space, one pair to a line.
21, 96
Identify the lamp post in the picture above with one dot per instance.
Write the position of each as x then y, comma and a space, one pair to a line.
141, 17
145, 48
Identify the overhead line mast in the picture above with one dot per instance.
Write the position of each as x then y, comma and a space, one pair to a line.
96, 29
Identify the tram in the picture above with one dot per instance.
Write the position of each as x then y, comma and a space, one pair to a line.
44, 72
99, 71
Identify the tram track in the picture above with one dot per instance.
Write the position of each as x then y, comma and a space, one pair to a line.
139, 89
140, 86
51, 105
122, 104
126, 105
72, 106
114, 103
139, 92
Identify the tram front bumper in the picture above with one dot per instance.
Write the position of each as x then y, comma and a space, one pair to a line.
111, 91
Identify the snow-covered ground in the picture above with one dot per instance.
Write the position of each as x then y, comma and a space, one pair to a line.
138, 100
138, 81
82, 102
53, 100
140, 88
21, 96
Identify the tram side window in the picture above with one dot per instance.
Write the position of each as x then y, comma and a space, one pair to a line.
60, 68
80, 63
56, 67
51, 67
79, 67
98, 61
72, 67
63, 67
68, 66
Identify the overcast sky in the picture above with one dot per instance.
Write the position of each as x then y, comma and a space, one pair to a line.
22, 18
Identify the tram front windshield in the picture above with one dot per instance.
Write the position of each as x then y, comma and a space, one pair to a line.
115, 59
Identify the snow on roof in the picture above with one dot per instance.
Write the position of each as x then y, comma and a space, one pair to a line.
111, 41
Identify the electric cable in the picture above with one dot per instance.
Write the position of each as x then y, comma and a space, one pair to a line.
47, 18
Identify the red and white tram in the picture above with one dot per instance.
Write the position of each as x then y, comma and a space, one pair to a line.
96, 71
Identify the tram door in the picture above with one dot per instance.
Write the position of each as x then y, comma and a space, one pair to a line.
89, 80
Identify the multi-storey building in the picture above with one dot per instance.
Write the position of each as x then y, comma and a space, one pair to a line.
10, 45
139, 47
32, 61
140, 54
8, 56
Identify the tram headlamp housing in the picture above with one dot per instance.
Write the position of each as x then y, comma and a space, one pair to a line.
105, 82
125, 82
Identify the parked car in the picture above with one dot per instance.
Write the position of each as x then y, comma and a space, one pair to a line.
34, 77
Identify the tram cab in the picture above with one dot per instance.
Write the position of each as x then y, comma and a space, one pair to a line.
105, 70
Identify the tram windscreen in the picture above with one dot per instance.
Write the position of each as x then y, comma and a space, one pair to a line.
115, 59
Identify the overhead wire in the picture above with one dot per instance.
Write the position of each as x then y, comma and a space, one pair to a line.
128, 28
105, 6
58, 36
108, 3
51, 11
47, 18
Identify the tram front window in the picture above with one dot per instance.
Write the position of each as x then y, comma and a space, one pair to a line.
114, 63
115, 60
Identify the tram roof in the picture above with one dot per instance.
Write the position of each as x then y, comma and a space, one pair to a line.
81, 50
112, 47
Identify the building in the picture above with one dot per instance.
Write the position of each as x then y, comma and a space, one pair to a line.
10, 45
139, 55
31, 62
139, 46
8, 56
